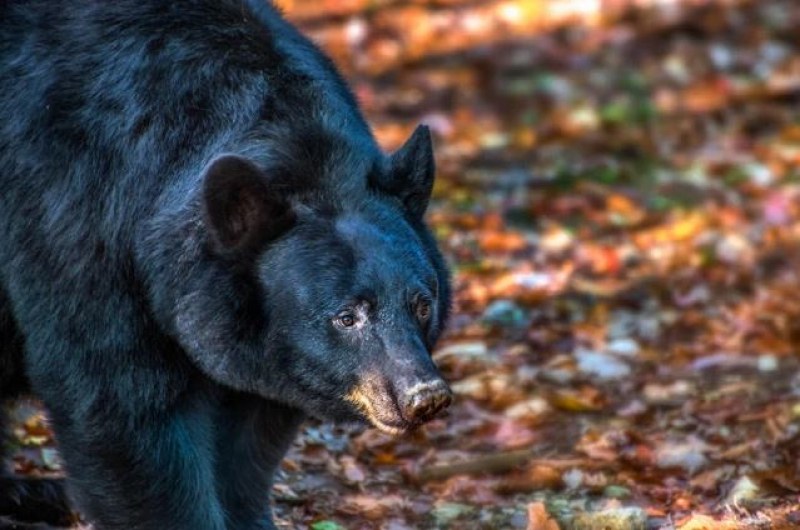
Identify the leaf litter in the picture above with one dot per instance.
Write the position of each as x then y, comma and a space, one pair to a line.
618, 196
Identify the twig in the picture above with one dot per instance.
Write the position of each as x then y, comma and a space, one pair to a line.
497, 463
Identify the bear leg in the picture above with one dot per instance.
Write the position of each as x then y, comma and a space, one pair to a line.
254, 436
22, 498
142, 472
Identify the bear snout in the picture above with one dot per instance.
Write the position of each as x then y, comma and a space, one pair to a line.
399, 407
424, 401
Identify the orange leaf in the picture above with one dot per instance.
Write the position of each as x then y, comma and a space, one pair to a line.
539, 519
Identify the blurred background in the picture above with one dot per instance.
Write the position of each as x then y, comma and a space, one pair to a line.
618, 195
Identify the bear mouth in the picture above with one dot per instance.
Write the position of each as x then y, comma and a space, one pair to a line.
381, 411
391, 429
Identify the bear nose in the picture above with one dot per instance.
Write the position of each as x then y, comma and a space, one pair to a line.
425, 400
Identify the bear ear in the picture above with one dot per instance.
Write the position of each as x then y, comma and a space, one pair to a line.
241, 211
411, 172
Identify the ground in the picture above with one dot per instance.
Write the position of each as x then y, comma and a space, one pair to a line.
619, 197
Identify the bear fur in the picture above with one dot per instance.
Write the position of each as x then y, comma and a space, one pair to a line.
201, 244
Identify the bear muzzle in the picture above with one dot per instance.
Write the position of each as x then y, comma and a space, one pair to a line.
424, 401
399, 406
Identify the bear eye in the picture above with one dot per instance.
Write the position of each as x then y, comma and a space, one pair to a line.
345, 320
353, 316
423, 309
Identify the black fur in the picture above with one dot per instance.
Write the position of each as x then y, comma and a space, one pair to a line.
191, 209
10, 524
34, 500
27, 499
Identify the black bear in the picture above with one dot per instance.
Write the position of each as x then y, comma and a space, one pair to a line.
200, 244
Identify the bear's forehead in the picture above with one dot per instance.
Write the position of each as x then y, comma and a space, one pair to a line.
384, 244
330, 263
358, 231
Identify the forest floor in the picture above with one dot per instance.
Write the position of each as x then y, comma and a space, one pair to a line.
620, 201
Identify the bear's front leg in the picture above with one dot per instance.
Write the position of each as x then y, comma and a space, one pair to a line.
8, 524
141, 471
253, 436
